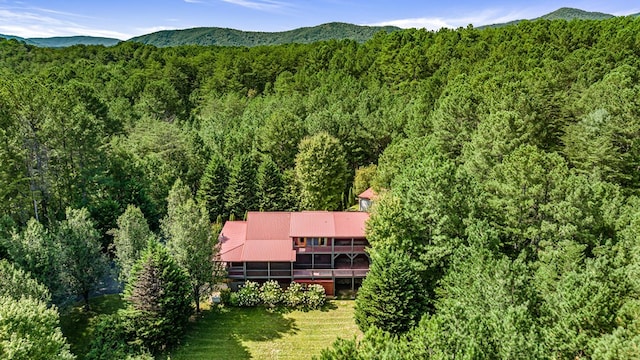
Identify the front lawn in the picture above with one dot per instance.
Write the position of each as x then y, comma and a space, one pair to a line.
255, 333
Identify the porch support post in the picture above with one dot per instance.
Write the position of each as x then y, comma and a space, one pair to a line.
268, 270
244, 270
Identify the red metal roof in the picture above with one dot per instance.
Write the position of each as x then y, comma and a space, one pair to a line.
267, 236
232, 238
350, 224
368, 194
268, 225
312, 224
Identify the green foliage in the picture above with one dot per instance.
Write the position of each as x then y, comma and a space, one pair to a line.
83, 263
158, 295
241, 192
230, 37
392, 295
35, 251
321, 170
130, 239
189, 239
270, 186
280, 136
16, 284
364, 178
30, 330
112, 338
213, 185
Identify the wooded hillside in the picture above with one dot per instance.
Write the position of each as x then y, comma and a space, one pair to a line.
507, 163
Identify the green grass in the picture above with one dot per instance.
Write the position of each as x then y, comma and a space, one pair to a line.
77, 324
255, 333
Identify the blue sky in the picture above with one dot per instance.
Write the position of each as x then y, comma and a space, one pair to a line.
124, 19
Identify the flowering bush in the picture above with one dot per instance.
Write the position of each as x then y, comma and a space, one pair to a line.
314, 297
294, 295
249, 294
271, 294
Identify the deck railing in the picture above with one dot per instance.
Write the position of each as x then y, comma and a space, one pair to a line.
238, 273
328, 249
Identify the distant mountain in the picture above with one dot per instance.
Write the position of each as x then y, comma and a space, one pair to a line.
64, 41
562, 14
9, 37
575, 14
231, 37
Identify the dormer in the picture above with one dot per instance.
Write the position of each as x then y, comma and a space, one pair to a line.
365, 200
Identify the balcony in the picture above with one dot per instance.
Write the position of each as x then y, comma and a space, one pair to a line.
328, 250
237, 273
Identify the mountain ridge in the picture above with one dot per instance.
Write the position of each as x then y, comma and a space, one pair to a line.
563, 13
233, 37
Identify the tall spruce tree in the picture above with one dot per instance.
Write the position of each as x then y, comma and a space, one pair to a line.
213, 185
392, 296
158, 298
241, 192
270, 186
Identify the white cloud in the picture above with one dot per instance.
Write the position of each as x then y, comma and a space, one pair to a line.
149, 30
435, 23
263, 5
38, 22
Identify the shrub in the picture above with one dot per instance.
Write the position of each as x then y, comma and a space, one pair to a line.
234, 299
225, 296
112, 338
294, 295
314, 297
271, 294
249, 294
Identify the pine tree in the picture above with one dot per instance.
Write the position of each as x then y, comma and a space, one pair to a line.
270, 186
241, 192
391, 297
213, 185
159, 298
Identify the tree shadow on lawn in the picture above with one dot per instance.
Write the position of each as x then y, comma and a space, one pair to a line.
221, 333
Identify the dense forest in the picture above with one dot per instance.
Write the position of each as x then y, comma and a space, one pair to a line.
506, 161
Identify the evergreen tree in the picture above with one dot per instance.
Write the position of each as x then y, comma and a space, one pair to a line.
270, 186
158, 298
213, 185
392, 295
129, 239
321, 170
241, 192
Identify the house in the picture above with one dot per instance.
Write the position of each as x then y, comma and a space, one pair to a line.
365, 200
313, 247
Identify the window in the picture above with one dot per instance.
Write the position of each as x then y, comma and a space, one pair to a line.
317, 241
301, 242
